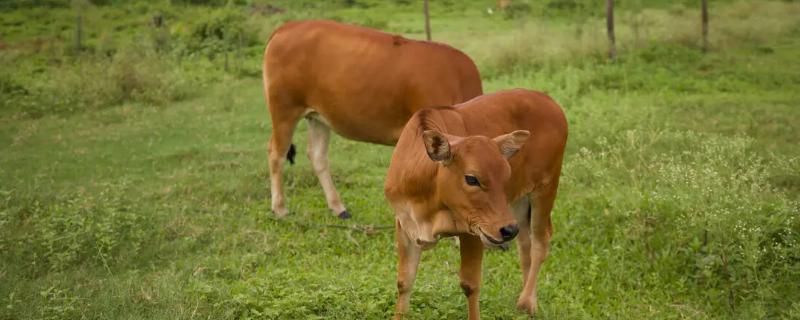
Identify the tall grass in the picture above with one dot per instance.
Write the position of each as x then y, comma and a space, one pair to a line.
699, 209
543, 41
133, 74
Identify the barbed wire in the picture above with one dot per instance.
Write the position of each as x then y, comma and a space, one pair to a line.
365, 228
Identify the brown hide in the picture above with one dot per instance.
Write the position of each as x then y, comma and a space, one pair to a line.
365, 83
417, 188
362, 83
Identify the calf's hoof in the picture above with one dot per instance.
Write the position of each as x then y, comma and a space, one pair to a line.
344, 215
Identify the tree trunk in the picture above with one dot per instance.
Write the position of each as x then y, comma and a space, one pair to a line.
427, 21
704, 4
612, 51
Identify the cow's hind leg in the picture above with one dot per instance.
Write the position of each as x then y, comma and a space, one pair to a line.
318, 137
541, 230
284, 121
470, 273
408, 254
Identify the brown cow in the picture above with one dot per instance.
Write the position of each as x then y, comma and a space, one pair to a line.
449, 178
362, 83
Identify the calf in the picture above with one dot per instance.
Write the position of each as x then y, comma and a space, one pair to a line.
484, 170
362, 83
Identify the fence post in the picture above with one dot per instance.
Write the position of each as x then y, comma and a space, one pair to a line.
612, 51
78, 30
427, 21
704, 17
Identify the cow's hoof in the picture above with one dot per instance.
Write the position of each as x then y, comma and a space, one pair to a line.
280, 212
527, 305
344, 215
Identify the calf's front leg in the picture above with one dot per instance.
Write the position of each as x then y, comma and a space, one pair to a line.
408, 254
470, 273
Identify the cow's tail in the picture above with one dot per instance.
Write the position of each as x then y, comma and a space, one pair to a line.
291, 153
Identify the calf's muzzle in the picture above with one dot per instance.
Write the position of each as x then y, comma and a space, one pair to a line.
509, 232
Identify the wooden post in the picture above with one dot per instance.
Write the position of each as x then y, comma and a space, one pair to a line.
704, 5
612, 51
427, 21
239, 54
78, 30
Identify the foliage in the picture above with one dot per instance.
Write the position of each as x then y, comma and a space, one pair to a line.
222, 31
703, 211
131, 75
516, 10
16, 4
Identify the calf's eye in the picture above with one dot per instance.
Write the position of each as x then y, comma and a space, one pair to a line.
471, 180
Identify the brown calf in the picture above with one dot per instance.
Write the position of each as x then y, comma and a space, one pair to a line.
473, 170
362, 83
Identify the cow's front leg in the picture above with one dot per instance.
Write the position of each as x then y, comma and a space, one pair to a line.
408, 254
470, 273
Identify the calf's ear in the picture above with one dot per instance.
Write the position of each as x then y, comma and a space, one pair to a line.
510, 143
437, 146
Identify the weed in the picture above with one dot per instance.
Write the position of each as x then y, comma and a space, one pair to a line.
73, 230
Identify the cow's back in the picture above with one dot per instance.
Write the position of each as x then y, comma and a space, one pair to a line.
538, 163
364, 83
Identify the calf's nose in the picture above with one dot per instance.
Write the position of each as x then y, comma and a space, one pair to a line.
509, 232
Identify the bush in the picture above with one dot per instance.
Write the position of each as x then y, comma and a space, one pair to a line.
221, 32
147, 77
516, 10
130, 75
19, 4
374, 23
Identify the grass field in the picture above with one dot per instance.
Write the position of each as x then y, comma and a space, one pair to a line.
133, 173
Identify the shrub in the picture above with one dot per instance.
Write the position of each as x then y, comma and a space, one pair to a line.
18, 4
516, 10
132, 74
220, 32
374, 23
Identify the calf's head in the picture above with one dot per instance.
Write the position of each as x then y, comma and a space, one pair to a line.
472, 178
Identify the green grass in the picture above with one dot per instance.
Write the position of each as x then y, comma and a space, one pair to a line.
680, 195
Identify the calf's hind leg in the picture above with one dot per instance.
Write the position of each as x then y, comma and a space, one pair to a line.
318, 137
541, 229
522, 213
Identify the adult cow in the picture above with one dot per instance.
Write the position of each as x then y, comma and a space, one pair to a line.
473, 170
362, 83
